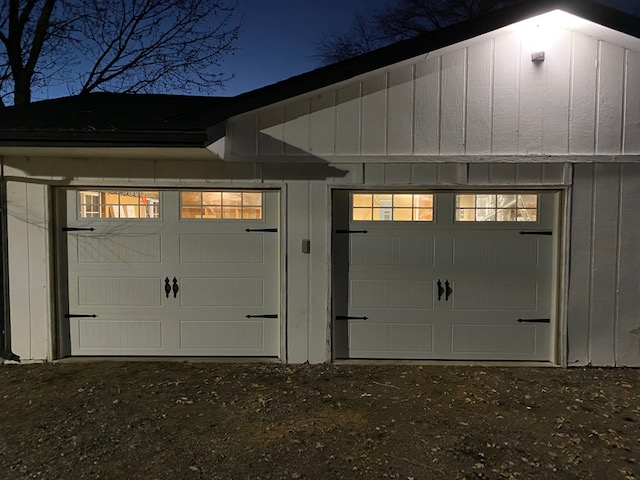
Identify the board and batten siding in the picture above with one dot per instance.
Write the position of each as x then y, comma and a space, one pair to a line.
483, 98
604, 280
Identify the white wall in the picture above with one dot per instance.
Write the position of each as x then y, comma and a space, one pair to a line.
604, 284
482, 97
29, 269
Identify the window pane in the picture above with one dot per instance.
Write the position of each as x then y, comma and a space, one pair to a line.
362, 200
118, 204
362, 214
528, 215
423, 201
211, 198
485, 201
423, 214
400, 207
191, 198
403, 201
506, 215
191, 212
485, 215
506, 201
382, 200
528, 201
232, 212
383, 214
403, 214
252, 199
231, 198
466, 215
211, 212
466, 201
222, 205
254, 213
501, 207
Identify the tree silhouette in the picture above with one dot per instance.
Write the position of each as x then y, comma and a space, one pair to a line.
113, 45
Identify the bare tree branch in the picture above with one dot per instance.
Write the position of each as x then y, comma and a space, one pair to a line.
409, 18
114, 45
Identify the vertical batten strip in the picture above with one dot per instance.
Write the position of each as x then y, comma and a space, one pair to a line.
465, 98
596, 129
494, 74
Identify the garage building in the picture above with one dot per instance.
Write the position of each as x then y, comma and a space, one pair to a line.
468, 195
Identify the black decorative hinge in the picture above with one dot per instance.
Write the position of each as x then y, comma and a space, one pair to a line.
534, 320
347, 317
69, 315
77, 229
262, 316
539, 232
272, 230
352, 231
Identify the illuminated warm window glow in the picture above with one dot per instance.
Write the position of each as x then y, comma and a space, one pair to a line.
491, 207
118, 204
396, 207
221, 205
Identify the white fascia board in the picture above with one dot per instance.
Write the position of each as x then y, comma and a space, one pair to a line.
217, 148
349, 159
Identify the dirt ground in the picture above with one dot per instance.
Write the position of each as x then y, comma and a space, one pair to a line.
177, 420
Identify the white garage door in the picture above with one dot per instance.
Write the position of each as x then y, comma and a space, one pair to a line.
458, 276
192, 273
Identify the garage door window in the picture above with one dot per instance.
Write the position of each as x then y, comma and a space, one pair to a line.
221, 205
490, 207
396, 207
118, 204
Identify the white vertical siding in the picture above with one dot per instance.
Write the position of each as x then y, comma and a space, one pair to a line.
555, 116
487, 97
427, 107
582, 113
374, 117
400, 111
603, 315
632, 104
453, 99
29, 269
322, 124
610, 98
479, 99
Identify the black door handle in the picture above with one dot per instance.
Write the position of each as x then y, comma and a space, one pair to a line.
167, 287
449, 291
175, 288
440, 290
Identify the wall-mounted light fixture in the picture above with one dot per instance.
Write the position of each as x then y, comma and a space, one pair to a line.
542, 32
537, 57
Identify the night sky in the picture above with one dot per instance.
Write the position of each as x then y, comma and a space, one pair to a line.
278, 37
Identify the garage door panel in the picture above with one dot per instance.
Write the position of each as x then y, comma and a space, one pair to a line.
391, 250
119, 334
463, 285
487, 338
389, 340
222, 249
118, 291
116, 248
406, 294
216, 273
492, 251
238, 334
487, 295
216, 292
